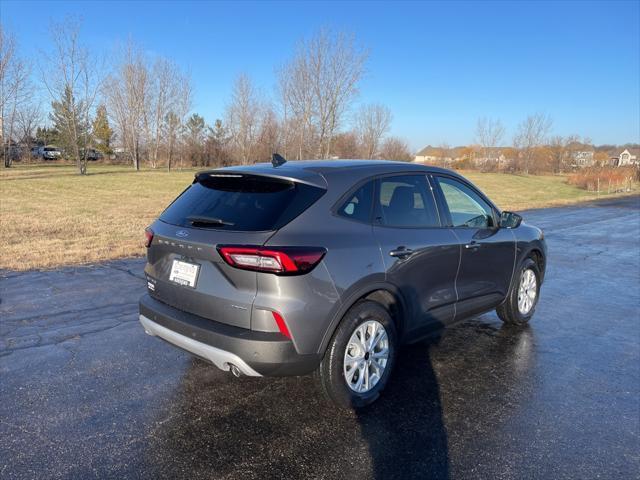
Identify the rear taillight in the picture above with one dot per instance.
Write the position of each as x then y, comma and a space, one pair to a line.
278, 260
148, 233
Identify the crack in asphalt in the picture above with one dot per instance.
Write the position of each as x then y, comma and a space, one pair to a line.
127, 271
70, 312
9, 350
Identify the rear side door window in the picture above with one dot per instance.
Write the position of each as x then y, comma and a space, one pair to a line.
406, 201
466, 207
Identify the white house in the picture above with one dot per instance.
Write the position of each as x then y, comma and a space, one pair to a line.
626, 157
581, 154
432, 155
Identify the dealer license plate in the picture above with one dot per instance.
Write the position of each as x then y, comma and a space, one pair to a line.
184, 273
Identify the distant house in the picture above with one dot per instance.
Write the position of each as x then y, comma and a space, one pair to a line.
436, 155
626, 157
581, 155
490, 156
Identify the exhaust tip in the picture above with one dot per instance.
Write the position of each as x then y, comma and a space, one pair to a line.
235, 370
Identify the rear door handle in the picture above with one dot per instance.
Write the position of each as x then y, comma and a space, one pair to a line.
401, 252
473, 246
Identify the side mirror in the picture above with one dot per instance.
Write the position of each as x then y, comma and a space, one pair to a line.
510, 220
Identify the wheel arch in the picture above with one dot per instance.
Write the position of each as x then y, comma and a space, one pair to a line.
538, 257
385, 294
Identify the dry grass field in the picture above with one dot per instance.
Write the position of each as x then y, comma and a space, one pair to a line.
50, 216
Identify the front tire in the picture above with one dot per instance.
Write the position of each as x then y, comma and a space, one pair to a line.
360, 356
520, 304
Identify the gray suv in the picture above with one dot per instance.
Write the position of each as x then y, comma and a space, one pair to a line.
330, 266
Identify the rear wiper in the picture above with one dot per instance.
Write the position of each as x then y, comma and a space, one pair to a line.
202, 220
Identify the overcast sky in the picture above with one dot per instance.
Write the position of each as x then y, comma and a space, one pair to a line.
438, 66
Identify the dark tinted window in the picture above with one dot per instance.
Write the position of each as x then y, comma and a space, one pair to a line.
467, 208
240, 202
358, 206
406, 201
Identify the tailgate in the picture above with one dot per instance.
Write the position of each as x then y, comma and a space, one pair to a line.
184, 268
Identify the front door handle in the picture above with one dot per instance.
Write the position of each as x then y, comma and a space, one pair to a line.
473, 246
401, 252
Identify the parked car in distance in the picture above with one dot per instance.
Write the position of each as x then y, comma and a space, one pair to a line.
92, 154
328, 267
50, 152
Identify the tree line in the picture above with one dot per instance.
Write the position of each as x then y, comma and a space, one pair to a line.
533, 149
140, 109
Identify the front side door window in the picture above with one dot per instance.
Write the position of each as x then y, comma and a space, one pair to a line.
466, 207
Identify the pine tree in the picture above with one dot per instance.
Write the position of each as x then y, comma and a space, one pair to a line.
102, 132
194, 136
46, 136
217, 142
73, 131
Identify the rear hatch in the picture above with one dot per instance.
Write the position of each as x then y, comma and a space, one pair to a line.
184, 267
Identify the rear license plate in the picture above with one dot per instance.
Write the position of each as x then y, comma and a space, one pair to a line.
184, 273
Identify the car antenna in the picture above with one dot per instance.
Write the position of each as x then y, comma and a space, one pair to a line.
277, 160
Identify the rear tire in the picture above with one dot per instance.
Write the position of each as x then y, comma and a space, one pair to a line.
352, 373
520, 304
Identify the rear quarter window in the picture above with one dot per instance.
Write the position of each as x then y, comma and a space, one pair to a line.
241, 202
359, 203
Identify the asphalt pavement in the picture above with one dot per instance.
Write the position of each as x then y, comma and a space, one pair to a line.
84, 393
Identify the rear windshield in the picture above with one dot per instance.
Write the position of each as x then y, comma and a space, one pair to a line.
238, 202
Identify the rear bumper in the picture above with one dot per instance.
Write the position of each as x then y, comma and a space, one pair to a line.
254, 353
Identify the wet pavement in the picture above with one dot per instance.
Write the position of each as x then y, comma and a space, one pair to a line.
85, 393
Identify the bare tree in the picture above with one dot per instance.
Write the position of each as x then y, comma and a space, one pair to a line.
171, 132
346, 145
531, 133
444, 153
394, 148
127, 95
28, 119
489, 134
560, 150
268, 141
372, 122
318, 86
170, 91
244, 118
15, 91
72, 78
296, 101
174, 120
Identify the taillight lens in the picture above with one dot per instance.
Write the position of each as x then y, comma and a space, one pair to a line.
282, 326
278, 260
148, 233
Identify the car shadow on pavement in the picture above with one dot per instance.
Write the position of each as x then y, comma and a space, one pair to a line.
405, 428
216, 426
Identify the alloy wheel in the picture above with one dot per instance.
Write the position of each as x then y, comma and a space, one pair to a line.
527, 291
366, 356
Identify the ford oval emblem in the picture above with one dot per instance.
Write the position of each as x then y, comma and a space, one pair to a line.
182, 233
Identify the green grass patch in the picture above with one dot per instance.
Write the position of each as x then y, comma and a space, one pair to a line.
51, 216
